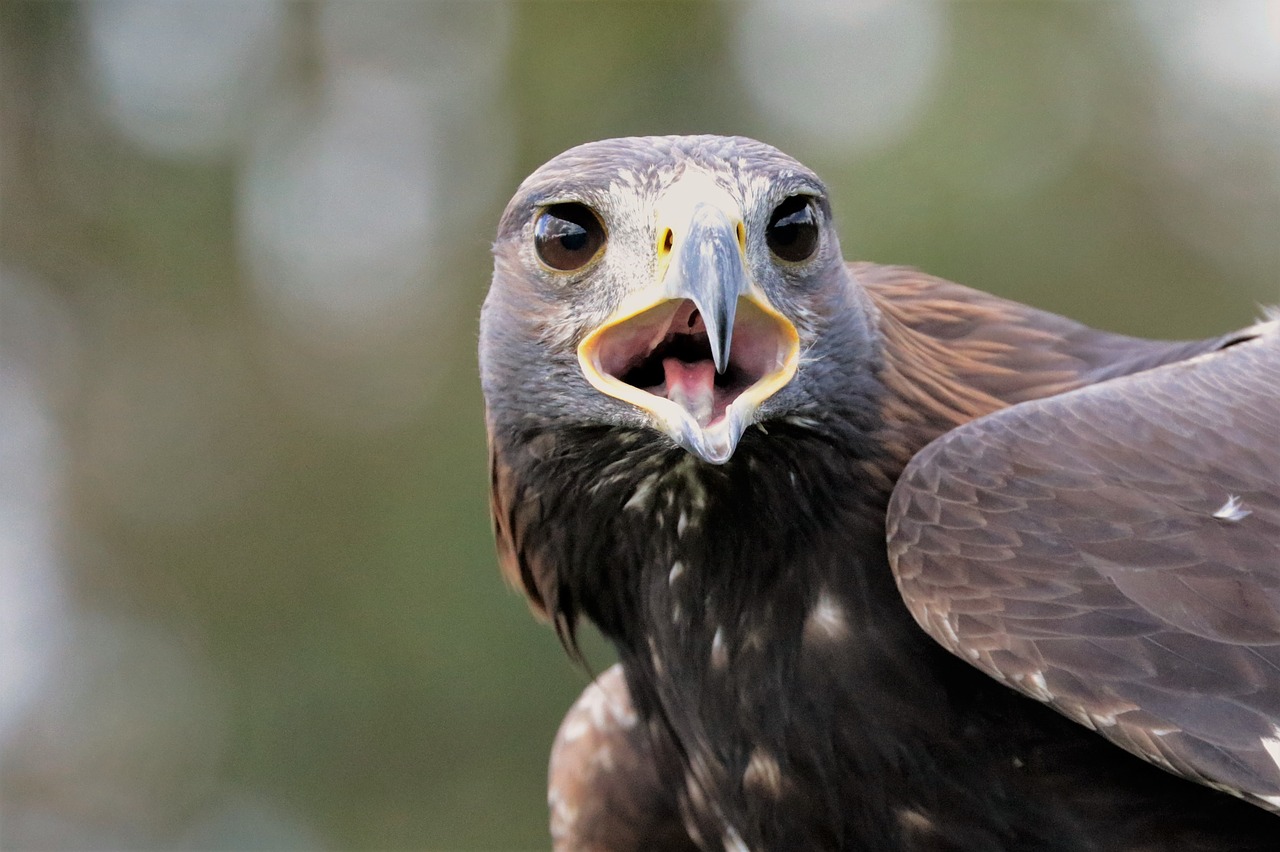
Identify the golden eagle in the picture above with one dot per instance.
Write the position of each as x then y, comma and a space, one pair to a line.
889, 563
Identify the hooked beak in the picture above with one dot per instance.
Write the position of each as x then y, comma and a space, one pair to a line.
708, 270
701, 348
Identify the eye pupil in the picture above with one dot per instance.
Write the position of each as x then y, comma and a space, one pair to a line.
574, 238
785, 233
568, 236
792, 234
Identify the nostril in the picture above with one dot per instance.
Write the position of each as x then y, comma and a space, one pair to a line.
693, 318
668, 239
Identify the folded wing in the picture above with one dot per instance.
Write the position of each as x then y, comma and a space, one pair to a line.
1115, 552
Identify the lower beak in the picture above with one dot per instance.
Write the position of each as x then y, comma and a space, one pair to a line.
702, 348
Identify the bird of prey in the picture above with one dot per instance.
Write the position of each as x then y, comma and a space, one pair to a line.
888, 563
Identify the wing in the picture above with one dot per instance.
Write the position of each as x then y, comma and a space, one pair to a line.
605, 787
1114, 551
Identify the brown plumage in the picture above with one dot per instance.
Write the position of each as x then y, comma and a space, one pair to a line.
1115, 552
1087, 518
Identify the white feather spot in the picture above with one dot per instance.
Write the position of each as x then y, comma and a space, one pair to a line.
1272, 745
623, 715
563, 815
952, 639
763, 774
598, 709
592, 701
826, 621
1232, 510
733, 840
694, 791
719, 653
642, 496
574, 730
699, 499
658, 668
682, 523
677, 568
915, 822
1034, 684
603, 758
688, 470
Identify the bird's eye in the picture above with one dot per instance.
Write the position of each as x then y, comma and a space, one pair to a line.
792, 234
567, 236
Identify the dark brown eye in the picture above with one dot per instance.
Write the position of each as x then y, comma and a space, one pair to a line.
792, 234
567, 236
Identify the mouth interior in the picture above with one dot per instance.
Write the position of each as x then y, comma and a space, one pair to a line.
665, 352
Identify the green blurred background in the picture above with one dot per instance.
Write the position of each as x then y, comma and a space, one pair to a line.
248, 598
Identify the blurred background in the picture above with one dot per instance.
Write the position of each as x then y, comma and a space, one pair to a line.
248, 598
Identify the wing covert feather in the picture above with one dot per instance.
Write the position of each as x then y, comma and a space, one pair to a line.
1114, 551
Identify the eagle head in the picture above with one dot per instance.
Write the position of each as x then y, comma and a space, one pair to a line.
679, 286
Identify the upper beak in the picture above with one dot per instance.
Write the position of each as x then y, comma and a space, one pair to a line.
701, 347
709, 271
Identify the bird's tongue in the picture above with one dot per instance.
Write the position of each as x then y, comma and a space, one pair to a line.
692, 387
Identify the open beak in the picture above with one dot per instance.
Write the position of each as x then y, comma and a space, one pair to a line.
701, 348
